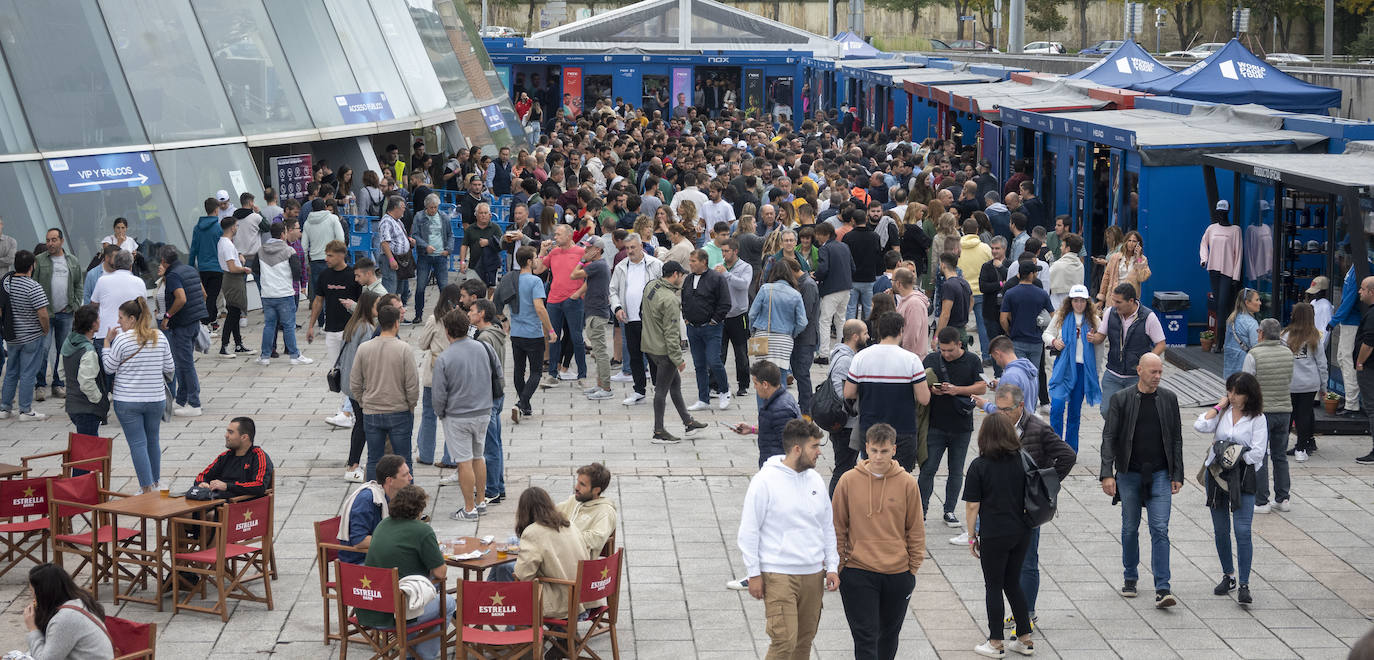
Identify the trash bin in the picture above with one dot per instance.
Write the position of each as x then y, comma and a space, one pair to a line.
1172, 307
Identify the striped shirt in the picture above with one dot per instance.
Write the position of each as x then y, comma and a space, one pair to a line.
886, 374
138, 373
26, 298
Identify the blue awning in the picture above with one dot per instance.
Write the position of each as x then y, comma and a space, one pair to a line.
1234, 75
1128, 65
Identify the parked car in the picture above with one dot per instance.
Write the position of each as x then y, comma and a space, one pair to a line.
1044, 48
968, 45
1104, 47
498, 32
1198, 52
1286, 58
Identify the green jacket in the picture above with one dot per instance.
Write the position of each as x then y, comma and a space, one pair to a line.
661, 315
76, 275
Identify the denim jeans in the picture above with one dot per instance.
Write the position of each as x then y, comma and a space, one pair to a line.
1030, 570
1278, 458
429, 426
424, 265
140, 421
316, 267
802, 355
186, 385
860, 300
937, 441
21, 368
1073, 405
391, 282
1112, 383
429, 649
86, 423
569, 311
1223, 519
1130, 486
704, 341
279, 314
977, 314
492, 453
58, 328
381, 427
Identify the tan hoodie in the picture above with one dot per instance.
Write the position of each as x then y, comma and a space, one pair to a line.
878, 524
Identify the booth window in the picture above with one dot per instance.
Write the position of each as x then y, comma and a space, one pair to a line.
252, 67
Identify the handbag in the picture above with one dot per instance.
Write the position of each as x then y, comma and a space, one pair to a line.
1042, 492
202, 339
405, 265
758, 344
169, 401
335, 376
827, 409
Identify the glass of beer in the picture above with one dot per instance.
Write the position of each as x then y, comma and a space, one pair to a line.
164, 489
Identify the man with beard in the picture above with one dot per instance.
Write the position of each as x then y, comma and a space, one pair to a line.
589, 509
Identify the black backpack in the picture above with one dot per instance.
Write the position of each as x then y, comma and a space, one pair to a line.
827, 409
1042, 492
6, 309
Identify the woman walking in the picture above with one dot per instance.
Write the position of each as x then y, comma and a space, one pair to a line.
87, 403
779, 314
141, 359
1242, 331
359, 329
64, 621
995, 489
432, 342
1236, 421
1075, 370
1309, 375
1127, 265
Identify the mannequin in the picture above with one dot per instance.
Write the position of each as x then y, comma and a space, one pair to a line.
1220, 254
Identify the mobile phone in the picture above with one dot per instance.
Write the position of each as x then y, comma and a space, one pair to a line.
728, 426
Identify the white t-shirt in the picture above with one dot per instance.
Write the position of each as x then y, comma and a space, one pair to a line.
129, 245
115, 289
636, 278
227, 252
61, 277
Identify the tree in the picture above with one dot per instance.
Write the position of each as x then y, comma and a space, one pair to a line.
1283, 14
1081, 6
913, 6
1187, 19
1043, 16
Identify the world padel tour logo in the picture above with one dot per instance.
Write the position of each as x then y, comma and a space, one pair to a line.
497, 606
1237, 70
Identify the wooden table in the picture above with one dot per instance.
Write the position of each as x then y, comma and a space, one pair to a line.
8, 471
478, 566
154, 562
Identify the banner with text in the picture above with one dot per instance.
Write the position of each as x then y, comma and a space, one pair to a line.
104, 172
364, 107
572, 89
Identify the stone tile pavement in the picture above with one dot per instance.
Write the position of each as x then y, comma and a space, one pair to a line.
679, 510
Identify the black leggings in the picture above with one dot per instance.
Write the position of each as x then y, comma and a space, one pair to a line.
528, 353
1304, 409
358, 439
212, 282
845, 458
736, 334
231, 327
1002, 557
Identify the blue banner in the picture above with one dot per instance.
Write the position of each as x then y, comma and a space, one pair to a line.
104, 172
492, 114
364, 107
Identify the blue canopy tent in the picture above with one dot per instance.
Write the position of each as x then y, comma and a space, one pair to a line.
1234, 75
853, 45
1128, 65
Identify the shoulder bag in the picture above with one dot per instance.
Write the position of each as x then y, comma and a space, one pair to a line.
335, 376
1042, 492
758, 344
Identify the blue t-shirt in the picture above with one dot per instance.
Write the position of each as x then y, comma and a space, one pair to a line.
364, 516
1024, 302
526, 324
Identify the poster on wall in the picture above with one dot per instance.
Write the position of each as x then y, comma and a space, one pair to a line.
290, 175
572, 88
364, 107
753, 92
682, 84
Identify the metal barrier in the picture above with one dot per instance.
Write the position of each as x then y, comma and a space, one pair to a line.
362, 237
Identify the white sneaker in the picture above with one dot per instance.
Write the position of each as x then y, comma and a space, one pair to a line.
723, 400
5, 414
600, 394
987, 650
1262, 508
548, 381
31, 416
1285, 506
567, 375
1300, 456
699, 405
187, 411
450, 479
634, 398
243, 322
737, 584
588, 391
340, 420
265, 361
302, 360
622, 377
1015, 646
961, 539
355, 475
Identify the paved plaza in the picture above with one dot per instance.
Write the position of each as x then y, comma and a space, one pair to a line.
679, 511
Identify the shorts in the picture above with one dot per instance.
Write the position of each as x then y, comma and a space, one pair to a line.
465, 437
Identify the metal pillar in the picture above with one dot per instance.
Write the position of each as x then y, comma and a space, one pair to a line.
856, 17
1016, 26
1328, 30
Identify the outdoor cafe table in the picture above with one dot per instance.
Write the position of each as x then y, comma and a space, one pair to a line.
465, 544
153, 562
8, 471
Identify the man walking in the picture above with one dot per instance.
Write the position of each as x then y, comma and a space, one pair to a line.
486, 329
661, 314
804, 342
395, 247
433, 235
914, 307
1021, 308
333, 286
735, 331
956, 298
279, 270
204, 258
889, 381
595, 273
25, 320
959, 375
834, 280
529, 328
1131, 330
628, 282
1142, 466
867, 249
1363, 348
57, 271
1271, 361
880, 549
854, 336
185, 305
705, 304
385, 376
463, 397
787, 537
561, 257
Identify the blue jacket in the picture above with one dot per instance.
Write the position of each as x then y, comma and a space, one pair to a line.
205, 245
788, 312
421, 232
1348, 312
1063, 377
1021, 373
774, 414
834, 268
1233, 358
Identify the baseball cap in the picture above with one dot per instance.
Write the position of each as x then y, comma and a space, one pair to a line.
1319, 284
221, 195
673, 268
1223, 205
1079, 291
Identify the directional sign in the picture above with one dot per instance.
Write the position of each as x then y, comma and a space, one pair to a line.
492, 114
104, 172
364, 107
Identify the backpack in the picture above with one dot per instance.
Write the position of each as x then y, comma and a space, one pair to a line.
6, 309
1042, 492
827, 409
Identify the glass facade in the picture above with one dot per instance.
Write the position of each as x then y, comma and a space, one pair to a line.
189, 181
372, 63
14, 133
440, 52
400, 37
29, 209
312, 48
252, 67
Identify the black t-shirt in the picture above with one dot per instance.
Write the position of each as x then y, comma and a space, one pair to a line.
999, 487
957, 291
336, 285
953, 413
1147, 450
1365, 335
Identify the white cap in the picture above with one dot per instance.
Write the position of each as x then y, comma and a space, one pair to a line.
1079, 291
221, 195
1223, 205
741, 144
727, 142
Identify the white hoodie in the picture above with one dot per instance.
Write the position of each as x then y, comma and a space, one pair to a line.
786, 527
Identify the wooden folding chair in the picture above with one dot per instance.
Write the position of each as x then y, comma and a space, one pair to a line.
131, 640
487, 609
231, 564
77, 528
378, 590
327, 550
608, 549
86, 453
597, 579
24, 508
271, 490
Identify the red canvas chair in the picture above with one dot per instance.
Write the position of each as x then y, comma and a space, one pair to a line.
84, 452
77, 528
24, 534
132, 641
486, 609
327, 549
596, 579
378, 590
230, 564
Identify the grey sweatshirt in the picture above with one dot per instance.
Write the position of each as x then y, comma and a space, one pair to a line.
70, 636
462, 380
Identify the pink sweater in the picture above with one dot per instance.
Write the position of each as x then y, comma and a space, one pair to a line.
1221, 250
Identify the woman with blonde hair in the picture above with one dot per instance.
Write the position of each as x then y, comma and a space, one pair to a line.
644, 227
946, 227
681, 246
139, 357
1074, 377
1127, 265
688, 218
1242, 331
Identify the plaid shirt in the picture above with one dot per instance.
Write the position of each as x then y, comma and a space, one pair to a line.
392, 231
305, 266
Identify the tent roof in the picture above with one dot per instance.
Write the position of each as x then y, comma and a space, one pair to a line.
1234, 75
1127, 65
941, 77
1040, 94
1352, 169
678, 25
854, 46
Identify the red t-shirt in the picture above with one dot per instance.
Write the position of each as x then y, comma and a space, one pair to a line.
562, 261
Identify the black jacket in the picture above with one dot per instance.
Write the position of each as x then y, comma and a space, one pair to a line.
866, 247
705, 301
1045, 446
250, 474
1118, 432
834, 268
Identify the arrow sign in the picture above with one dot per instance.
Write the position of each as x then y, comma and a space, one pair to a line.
82, 174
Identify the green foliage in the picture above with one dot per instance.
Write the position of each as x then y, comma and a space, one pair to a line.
1044, 16
1364, 45
913, 6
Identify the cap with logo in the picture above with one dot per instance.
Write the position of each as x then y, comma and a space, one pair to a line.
1223, 205
1079, 291
1319, 284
